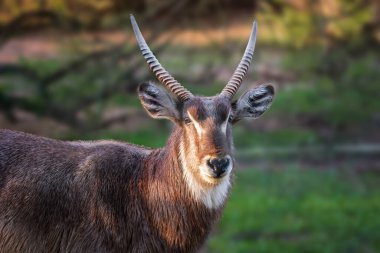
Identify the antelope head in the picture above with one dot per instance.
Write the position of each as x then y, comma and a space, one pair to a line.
205, 122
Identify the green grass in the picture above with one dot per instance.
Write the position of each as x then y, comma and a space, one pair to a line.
296, 210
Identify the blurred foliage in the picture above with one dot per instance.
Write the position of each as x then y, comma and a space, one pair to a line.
300, 210
62, 90
322, 56
294, 22
140, 137
304, 23
333, 87
281, 137
326, 75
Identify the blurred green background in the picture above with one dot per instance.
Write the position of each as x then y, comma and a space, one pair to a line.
308, 170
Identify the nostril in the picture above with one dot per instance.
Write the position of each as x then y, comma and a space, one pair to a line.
224, 163
214, 163
211, 163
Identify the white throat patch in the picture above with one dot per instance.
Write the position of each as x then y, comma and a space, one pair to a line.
211, 197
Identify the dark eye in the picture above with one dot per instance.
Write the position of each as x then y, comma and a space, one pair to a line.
230, 118
187, 121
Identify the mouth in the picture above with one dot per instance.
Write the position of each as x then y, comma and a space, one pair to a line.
214, 177
217, 174
214, 180
211, 179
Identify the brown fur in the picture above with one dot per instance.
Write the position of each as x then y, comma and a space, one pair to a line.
96, 197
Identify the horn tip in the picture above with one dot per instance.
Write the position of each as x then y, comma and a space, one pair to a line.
131, 17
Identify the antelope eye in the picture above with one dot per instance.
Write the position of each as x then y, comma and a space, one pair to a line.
230, 118
187, 121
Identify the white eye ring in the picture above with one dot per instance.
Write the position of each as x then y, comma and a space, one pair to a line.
196, 124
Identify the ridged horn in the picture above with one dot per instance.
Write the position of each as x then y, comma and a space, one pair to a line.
237, 78
161, 73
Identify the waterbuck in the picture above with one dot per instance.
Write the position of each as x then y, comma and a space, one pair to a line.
108, 196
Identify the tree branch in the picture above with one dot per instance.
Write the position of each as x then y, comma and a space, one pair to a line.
23, 23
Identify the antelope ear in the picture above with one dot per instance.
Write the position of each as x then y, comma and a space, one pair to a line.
253, 103
158, 102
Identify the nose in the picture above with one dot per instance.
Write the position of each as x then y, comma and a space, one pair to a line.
218, 166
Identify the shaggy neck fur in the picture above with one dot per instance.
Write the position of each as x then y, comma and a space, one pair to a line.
183, 210
210, 195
